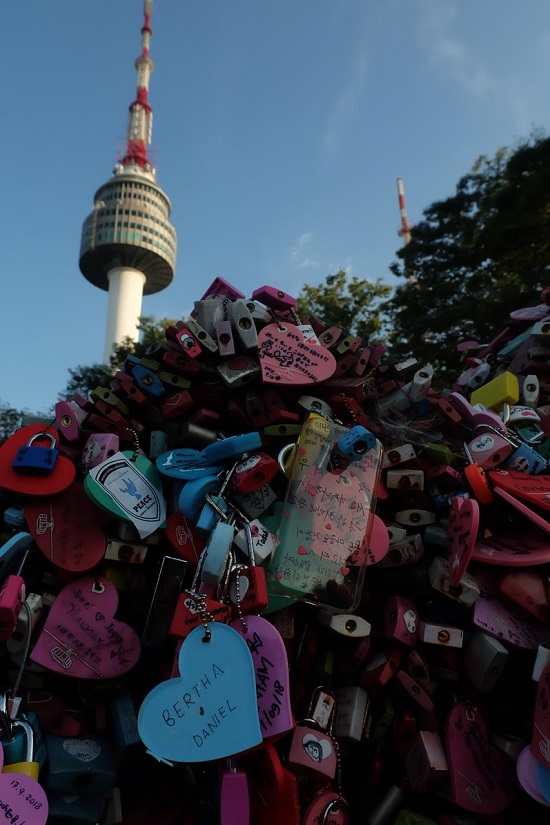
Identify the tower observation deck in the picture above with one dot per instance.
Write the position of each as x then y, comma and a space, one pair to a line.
128, 244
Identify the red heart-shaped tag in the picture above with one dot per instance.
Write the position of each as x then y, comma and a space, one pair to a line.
286, 358
81, 638
463, 527
535, 489
67, 529
482, 777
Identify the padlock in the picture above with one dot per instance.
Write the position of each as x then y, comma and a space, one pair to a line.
168, 587
208, 313
12, 599
34, 459
484, 661
242, 325
405, 480
426, 762
234, 798
247, 587
356, 443
489, 449
98, 448
194, 329
263, 540
253, 472
313, 749
190, 611
274, 298
28, 766
401, 620
350, 713
80, 765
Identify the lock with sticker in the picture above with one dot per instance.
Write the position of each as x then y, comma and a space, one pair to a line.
313, 749
401, 620
247, 587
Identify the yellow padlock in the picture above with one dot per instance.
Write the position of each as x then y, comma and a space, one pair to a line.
28, 767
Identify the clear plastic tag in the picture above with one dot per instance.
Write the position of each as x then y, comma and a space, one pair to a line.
323, 536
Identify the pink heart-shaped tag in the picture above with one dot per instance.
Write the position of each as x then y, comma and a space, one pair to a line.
540, 741
22, 799
482, 777
463, 527
67, 530
286, 358
80, 637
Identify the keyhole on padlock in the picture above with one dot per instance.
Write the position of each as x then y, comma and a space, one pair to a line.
245, 323
351, 626
224, 339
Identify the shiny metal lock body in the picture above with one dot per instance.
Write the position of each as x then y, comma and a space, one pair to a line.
34, 459
26, 765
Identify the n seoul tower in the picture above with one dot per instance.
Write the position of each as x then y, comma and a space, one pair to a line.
128, 244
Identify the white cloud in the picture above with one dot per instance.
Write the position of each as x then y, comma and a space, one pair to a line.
436, 22
304, 239
307, 263
341, 116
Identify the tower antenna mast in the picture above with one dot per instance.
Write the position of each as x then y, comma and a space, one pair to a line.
404, 230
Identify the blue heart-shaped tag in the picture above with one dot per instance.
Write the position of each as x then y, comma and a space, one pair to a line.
210, 711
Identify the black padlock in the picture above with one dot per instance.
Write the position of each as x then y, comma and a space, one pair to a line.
36, 460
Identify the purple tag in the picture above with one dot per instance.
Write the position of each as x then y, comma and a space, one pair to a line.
497, 620
271, 668
520, 549
81, 638
22, 799
463, 527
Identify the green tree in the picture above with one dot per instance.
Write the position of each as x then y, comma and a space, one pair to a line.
84, 379
10, 420
355, 305
474, 258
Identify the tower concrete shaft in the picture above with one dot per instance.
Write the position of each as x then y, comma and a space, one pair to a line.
128, 244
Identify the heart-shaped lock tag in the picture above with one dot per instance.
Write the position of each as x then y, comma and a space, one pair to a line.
463, 527
513, 549
534, 489
540, 741
81, 638
129, 486
22, 799
482, 777
209, 712
62, 474
287, 358
66, 529
271, 668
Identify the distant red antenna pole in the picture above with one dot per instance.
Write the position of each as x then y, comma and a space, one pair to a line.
405, 229
140, 121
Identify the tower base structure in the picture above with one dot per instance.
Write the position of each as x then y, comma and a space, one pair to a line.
125, 296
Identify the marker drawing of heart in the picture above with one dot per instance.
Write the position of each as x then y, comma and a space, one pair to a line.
81, 638
22, 799
286, 358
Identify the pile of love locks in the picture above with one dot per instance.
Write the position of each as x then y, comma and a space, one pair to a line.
269, 577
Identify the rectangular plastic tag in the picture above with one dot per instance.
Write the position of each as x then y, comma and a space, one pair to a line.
323, 537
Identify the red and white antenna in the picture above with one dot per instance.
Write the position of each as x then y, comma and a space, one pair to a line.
140, 120
404, 230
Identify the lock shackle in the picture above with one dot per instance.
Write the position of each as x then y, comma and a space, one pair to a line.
503, 434
29, 734
334, 807
42, 434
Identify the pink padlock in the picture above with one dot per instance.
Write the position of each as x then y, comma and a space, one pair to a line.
313, 749
98, 448
401, 620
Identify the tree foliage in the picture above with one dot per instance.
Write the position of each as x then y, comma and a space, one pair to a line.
353, 305
84, 379
474, 258
10, 420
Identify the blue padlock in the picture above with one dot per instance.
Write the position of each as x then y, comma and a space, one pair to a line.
193, 495
80, 765
356, 443
148, 381
35, 460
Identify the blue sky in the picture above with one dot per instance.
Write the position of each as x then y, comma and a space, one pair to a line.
280, 129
